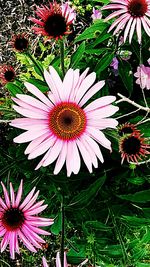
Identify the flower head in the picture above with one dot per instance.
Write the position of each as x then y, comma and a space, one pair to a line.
133, 147
114, 63
127, 128
96, 14
20, 42
61, 125
143, 75
131, 15
55, 20
18, 221
7, 74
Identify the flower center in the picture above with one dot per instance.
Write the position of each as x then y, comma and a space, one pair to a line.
12, 219
9, 75
55, 25
67, 121
131, 145
125, 130
137, 8
21, 43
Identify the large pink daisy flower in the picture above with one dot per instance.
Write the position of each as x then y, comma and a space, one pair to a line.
132, 15
60, 125
55, 20
18, 220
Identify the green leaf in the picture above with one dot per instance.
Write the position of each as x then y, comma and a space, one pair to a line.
77, 56
42, 86
95, 51
56, 227
140, 197
97, 226
13, 89
90, 32
125, 72
139, 264
85, 197
104, 62
136, 221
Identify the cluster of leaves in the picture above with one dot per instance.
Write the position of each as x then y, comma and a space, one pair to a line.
107, 214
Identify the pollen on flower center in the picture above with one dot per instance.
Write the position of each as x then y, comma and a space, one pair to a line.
9, 75
12, 219
137, 8
131, 145
67, 121
55, 25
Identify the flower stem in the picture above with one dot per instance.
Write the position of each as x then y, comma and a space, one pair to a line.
125, 99
62, 56
62, 232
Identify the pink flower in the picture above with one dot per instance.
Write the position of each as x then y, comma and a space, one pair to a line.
44, 262
114, 63
58, 262
55, 20
143, 75
131, 15
96, 14
60, 125
18, 221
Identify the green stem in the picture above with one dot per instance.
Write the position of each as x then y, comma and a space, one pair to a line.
35, 63
62, 232
62, 56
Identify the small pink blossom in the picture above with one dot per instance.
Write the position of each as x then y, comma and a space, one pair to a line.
19, 221
143, 75
114, 63
96, 14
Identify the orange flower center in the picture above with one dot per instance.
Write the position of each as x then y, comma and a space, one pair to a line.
67, 121
137, 8
12, 219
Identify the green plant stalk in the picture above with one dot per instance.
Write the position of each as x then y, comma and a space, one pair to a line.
35, 63
125, 256
62, 232
62, 56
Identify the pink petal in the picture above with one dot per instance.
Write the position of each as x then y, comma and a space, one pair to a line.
138, 29
52, 86
31, 202
2, 204
95, 147
56, 80
115, 14
35, 91
103, 112
103, 123
85, 85
5, 241
99, 103
39, 114
90, 151
36, 142
44, 262
132, 30
33, 102
127, 29
27, 123
30, 135
61, 159
28, 198
12, 195
92, 91
67, 85
26, 242
85, 155
12, 244
42, 148
38, 230
36, 211
99, 137
54, 153
7, 200
19, 194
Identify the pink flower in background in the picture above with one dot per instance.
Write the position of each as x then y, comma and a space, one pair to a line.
55, 20
44, 261
143, 75
114, 63
60, 125
131, 16
96, 14
148, 61
58, 262
19, 221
